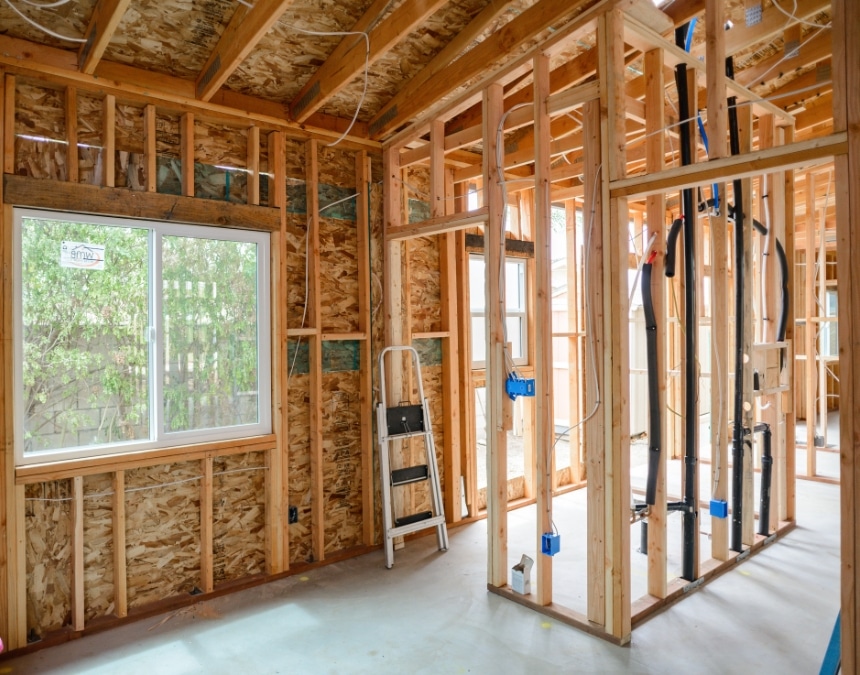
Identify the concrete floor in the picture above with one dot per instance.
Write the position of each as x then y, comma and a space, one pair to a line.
432, 614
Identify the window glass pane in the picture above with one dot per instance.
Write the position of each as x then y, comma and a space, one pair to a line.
84, 326
479, 339
515, 325
515, 279
476, 284
209, 317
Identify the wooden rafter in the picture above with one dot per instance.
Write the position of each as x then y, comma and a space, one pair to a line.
426, 86
245, 30
814, 50
348, 58
103, 22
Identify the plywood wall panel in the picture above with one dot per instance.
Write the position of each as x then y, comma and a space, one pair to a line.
239, 516
48, 524
341, 466
40, 132
162, 531
300, 469
98, 546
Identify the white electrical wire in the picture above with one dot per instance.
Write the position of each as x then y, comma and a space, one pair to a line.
42, 28
793, 16
46, 5
809, 38
366, 71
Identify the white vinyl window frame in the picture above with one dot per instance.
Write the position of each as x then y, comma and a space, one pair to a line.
159, 438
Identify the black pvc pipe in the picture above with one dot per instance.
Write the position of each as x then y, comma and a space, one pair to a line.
691, 418
672, 247
766, 473
737, 425
655, 434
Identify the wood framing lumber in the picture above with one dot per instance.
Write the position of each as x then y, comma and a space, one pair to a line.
440, 81
425, 81
206, 528
438, 225
78, 597
363, 186
497, 474
149, 153
656, 214
789, 156
246, 28
109, 136
846, 117
134, 84
82, 198
71, 134
814, 49
545, 425
120, 570
352, 55
103, 22
252, 155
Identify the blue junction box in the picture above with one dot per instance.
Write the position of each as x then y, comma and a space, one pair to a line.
719, 508
550, 543
519, 386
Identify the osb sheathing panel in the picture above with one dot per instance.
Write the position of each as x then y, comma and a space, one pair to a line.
341, 422
516, 490
174, 37
300, 468
425, 298
129, 165
48, 523
162, 506
98, 546
221, 146
296, 245
294, 169
168, 137
238, 516
338, 245
284, 59
40, 118
339, 275
90, 135
70, 19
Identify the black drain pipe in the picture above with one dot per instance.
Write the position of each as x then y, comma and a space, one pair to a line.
690, 526
766, 473
738, 424
655, 433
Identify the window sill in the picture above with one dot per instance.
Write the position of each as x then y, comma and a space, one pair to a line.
59, 469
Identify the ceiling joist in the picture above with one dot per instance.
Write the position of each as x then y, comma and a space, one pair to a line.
103, 22
350, 56
245, 30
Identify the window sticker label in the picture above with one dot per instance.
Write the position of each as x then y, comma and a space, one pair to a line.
82, 256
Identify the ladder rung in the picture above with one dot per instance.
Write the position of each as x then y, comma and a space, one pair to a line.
408, 434
410, 474
414, 518
403, 530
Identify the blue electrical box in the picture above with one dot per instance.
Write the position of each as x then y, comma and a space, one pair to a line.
519, 386
719, 508
550, 543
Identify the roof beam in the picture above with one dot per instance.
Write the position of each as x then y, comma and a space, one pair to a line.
348, 58
246, 28
103, 22
443, 74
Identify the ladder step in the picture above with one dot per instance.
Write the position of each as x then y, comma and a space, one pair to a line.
411, 474
405, 419
408, 434
414, 518
403, 530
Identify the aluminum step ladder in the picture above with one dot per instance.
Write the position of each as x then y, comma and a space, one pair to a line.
403, 421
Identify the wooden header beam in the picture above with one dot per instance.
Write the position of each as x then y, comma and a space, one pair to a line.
438, 225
